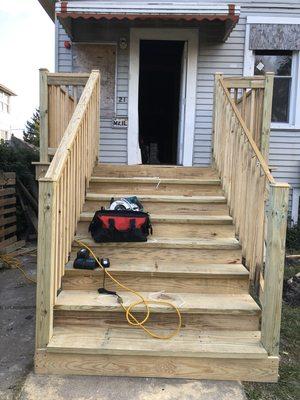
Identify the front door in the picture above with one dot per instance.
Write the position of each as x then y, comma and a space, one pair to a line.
161, 101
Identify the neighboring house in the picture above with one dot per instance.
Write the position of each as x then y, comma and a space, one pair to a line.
5, 112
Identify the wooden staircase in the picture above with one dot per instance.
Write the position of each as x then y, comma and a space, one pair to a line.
193, 259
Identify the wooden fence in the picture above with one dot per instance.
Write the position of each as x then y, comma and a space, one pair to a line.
257, 204
8, 226
61, 197
253, 99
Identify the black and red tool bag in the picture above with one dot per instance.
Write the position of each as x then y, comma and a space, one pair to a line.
120, 226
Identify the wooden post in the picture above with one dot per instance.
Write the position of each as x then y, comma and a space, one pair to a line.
218, 76
45, 263
274, 267
43, 116
266, 115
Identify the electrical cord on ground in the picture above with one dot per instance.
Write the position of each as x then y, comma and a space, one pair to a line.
12, 262
128, 310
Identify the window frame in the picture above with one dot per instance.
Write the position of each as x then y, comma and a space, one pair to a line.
249, 63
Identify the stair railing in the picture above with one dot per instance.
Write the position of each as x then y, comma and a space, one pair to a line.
61, 197
253, 99
257, 204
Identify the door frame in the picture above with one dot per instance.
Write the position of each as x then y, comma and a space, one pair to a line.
191, 37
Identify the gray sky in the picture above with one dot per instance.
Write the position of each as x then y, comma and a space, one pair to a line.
26, 44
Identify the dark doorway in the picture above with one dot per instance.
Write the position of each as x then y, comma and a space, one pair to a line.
159, 91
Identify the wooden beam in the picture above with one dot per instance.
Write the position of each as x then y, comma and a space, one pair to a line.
43, 116
45, 263
274, 267
266, 115
68, 79
218, 76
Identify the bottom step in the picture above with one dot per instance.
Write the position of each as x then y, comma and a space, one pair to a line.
130, 352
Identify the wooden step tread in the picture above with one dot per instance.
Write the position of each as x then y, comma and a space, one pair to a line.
201, 244
169, 269
90, 300
134, 341
155, 180
161, 198
177, 219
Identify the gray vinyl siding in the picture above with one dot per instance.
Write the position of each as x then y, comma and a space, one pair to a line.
220, 57
227, 58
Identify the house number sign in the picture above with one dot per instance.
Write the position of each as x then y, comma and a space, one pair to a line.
120, 122
122, 100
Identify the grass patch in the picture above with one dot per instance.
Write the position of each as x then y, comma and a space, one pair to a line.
288, 386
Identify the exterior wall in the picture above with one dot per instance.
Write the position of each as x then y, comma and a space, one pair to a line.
5, 119
220, 57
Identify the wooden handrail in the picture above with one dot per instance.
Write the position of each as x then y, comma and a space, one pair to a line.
248, 134
59, 94
253, 98
257, 204
61, 197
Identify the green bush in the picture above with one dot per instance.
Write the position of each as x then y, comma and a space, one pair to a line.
17, 157
293, 237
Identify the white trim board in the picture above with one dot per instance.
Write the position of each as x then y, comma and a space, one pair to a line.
191, 37
248, 70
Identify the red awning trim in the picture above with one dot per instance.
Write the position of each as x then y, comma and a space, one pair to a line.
131, 17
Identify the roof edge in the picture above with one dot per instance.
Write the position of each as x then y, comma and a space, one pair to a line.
7, 91
49, 7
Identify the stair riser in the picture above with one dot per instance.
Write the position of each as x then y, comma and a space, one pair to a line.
148, 282
265, 370
156, 257
181, 230
235, 322
128, 171
168, 207
151, 188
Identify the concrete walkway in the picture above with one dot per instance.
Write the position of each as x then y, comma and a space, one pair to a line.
57, 387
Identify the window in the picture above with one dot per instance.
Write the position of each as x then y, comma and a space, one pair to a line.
4, 100
279, 62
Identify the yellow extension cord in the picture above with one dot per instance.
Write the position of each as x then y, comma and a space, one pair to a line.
12, 262
131, 318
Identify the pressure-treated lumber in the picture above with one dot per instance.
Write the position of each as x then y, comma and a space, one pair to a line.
166, 204
163, 171
45, 264
189, 343
187, 302
266, 115
61, 197
155, 185
274, 268
43, 109
177, 278
261, 370
178, 226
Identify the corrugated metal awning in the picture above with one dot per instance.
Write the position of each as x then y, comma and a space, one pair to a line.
185, 11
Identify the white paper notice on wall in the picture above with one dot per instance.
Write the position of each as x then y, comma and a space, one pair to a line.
120, 122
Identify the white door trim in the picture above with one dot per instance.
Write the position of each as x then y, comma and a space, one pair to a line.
191, 37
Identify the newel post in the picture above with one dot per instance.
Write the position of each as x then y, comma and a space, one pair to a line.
45, 263
274, 268
217, 77
267, 115
44, 116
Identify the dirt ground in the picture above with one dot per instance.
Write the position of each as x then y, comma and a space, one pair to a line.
17, 316
288, 386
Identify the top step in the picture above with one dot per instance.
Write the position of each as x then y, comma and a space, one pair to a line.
162, 171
